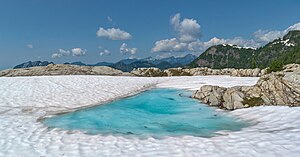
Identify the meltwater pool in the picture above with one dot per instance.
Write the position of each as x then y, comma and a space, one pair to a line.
155, 113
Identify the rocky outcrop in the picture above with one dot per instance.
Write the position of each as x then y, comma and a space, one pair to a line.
279, 88
212, 95
63, 69
201, 71
148, 72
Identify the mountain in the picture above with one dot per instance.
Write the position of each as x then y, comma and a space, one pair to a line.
164, 63
127, 65
285, 50
78, 63
224, 56
179, 60
33, 64
103, 64
128, 61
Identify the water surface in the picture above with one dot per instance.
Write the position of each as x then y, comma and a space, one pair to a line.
156, 113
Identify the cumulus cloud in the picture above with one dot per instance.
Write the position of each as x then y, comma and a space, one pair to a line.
105, 52
124, 49
187, 38
113, 34
174, 45
187, 30
56, 55
188, 33
169, 45
30, 46
239, 41
293, 27
266, 36
78, 52
75, 52
61, 53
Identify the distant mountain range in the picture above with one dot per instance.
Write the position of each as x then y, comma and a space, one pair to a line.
33, 64
285, 50
127, 65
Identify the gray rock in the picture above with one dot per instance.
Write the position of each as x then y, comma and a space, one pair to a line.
149, 72
211, 95
233, 99
277, 88
63, 69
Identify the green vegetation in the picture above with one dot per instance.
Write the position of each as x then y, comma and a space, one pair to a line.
253, 63
285, 51
253, 101
275, 66
154, 73
224, 56
176, 72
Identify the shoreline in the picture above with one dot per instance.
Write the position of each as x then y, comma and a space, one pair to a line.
98, 104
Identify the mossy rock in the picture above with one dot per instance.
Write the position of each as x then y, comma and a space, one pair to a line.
176, 72
253, 101
152, 73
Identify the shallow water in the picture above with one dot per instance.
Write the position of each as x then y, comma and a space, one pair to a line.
156, 113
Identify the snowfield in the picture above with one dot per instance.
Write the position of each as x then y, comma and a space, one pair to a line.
25, 100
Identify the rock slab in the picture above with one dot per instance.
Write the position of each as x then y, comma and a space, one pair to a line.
278, 88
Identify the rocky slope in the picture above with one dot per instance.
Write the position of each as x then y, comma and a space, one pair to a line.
63, 69
201, 71
225, 56
277, 88
286, 50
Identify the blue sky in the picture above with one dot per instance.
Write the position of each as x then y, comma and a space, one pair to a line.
69, 30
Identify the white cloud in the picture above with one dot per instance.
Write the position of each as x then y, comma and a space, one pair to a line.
174, 45
124, 49
64, 52
133, 57
169, 45
78, 52
75, 52
105, 52
187, 30
56, 55
60, 53
246, 43
293, 27
113, 34
266, 36
164, 55
188, 33
30, 46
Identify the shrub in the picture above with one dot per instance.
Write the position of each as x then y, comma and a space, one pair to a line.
253, 101
275, 66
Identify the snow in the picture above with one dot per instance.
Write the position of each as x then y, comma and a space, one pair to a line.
284, 42
239, 47
24, 100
